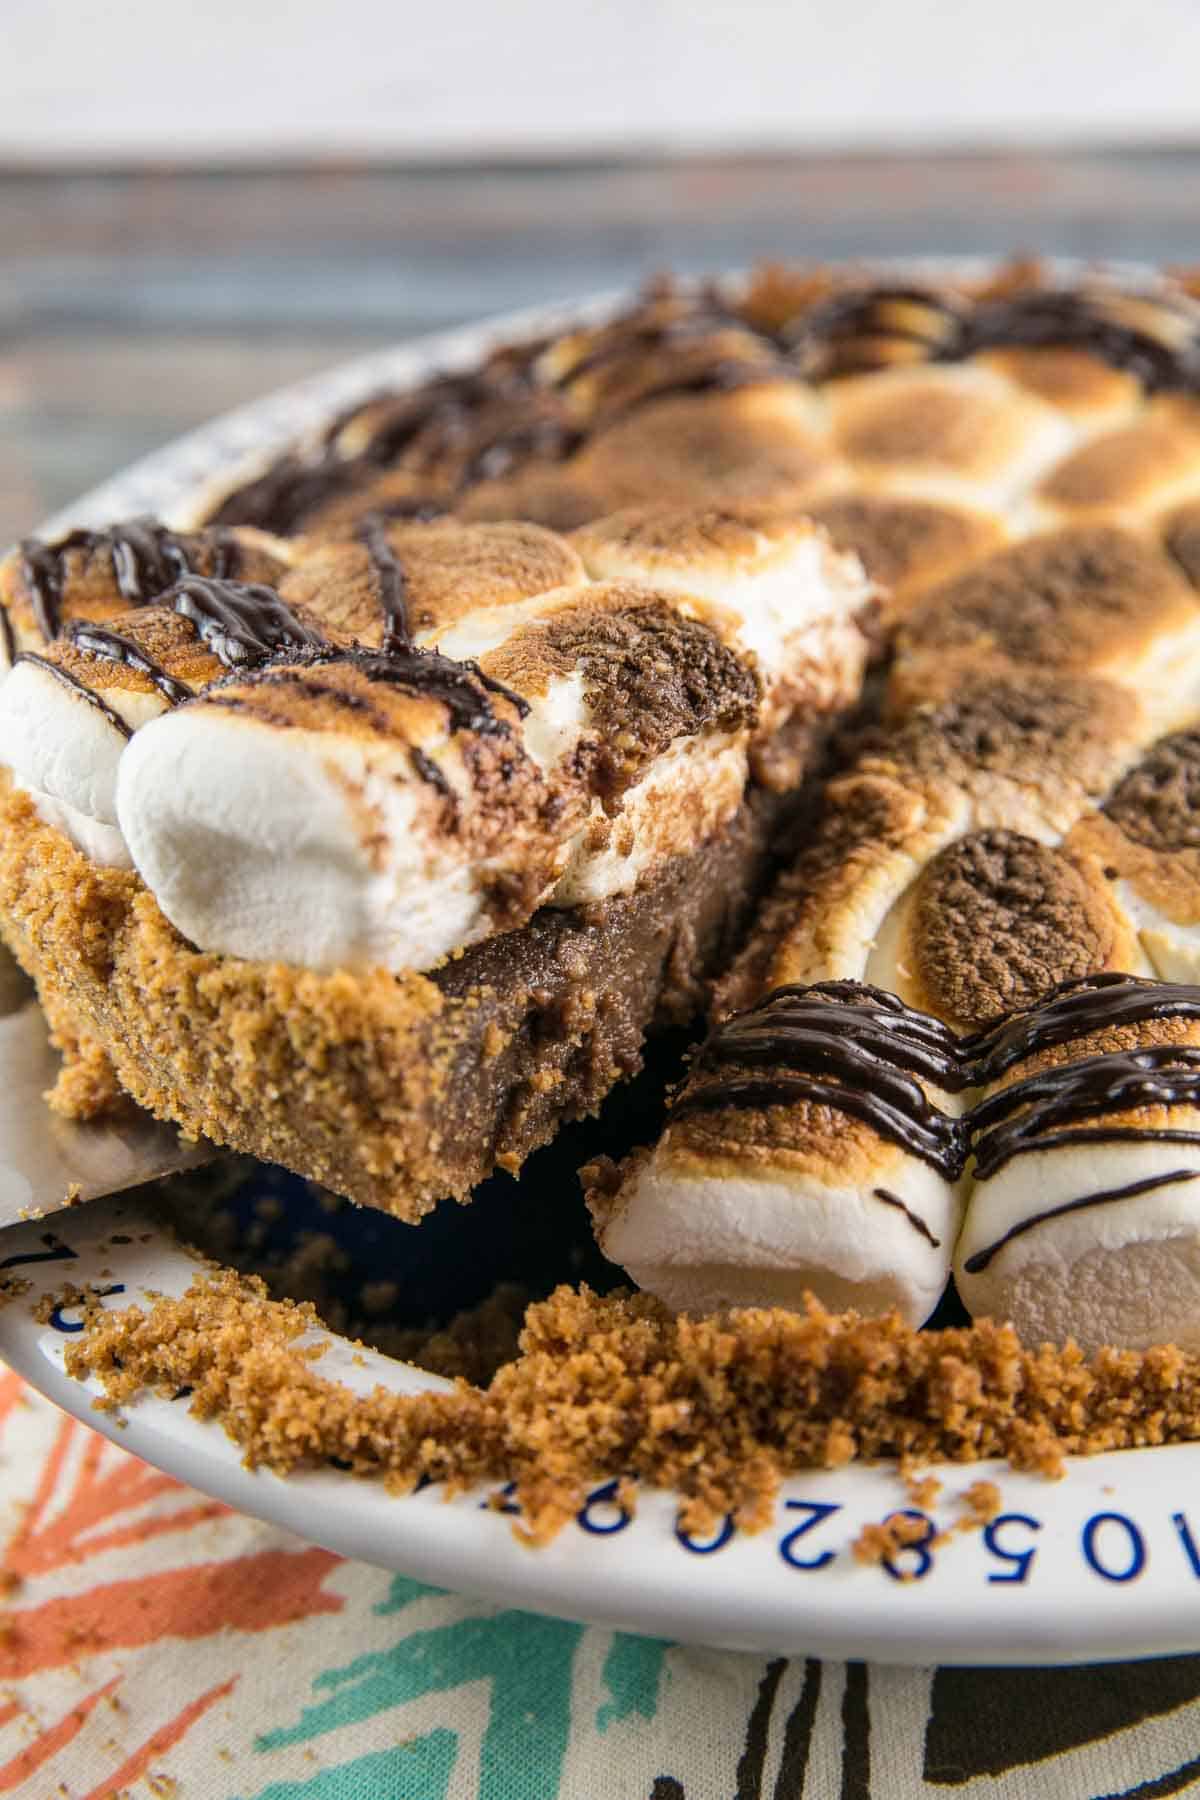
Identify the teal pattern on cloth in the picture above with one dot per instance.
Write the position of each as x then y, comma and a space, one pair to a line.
529, 1661
546, 1709
417, 1771
632, 1674
530, 1669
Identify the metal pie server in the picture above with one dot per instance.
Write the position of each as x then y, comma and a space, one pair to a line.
47, 1162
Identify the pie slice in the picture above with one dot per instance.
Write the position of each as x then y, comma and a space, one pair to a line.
385, 867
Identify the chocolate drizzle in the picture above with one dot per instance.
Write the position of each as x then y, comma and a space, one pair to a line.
846, 332
797, 1017
980, 1260
430, 420
241, 623
873, 1046
289, 490
42, 577
461, 687
1094, 1003
98, 640
436, 677
1032, 1114
1071, 319
146, 559
417, 508
849, 330
705, 317
866, 1039
80, 687
390, 583
551, 438
914, 1219
893, 1104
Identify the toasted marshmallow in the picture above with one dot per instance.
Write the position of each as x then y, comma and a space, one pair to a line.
642, 704
767, 586
993, 921
67, 714
1147, 841
1142, 467
1090, 599
791, 599
639, 707
864, 898
98, 575
701, 1236
763, 442
821, 1164
958, 434
1094, 394
434, 572
689, 792
350, 811
938, 870
647, 699
1084, 1211
907, 545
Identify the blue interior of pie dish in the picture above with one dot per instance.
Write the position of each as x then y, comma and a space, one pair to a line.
533, 1231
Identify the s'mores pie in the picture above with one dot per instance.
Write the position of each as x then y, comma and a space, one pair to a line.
370, 818
936, 893
961, 871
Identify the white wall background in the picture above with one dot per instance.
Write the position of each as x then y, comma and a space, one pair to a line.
144, 80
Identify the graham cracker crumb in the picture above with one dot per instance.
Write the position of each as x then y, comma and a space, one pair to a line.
922, 1491
880, 1543
983, 1501
721, 1409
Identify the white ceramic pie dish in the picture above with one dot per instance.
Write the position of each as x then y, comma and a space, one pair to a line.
1104, 1563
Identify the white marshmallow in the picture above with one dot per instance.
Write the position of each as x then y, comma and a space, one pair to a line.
65, 750
1120, 1271
690, 791
313, 848
703, 1241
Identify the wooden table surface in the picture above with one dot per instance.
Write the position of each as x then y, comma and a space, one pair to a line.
134, 306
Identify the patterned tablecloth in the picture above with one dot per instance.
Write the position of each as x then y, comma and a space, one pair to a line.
154, 1643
